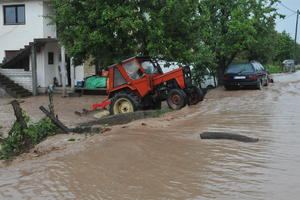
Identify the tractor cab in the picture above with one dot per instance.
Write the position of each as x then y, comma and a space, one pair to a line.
136, 70
138, 66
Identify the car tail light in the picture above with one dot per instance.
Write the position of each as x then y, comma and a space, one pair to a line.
252, 77
226, 78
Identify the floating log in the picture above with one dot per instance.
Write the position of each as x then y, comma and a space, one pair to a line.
227, 136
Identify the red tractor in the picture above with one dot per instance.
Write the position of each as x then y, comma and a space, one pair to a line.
138, 83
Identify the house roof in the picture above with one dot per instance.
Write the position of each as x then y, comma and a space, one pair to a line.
26, 51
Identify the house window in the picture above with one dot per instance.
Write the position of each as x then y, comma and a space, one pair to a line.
50, 58
14, 14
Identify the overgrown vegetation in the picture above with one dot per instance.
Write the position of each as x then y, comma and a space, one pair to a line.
21, 140
274, 68
72, 140
160, 112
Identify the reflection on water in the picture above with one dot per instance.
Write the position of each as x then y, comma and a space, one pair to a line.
167, 160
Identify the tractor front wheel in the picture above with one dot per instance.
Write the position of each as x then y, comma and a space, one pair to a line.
123, 103
176, 99
195, 95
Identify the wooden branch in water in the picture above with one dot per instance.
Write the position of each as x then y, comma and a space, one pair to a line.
55, 120
228, 136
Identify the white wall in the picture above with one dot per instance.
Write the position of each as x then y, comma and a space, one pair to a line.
40, 68
79, 73
51, 70
15, 37
49, 30
46, 72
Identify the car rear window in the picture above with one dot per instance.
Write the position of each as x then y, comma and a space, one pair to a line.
239, 68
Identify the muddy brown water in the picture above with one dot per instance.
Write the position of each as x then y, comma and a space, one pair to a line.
165, 159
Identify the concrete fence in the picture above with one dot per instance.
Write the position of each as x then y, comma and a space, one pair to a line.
19, 76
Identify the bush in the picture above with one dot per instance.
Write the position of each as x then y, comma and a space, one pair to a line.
274, 69
20, 141
41, 130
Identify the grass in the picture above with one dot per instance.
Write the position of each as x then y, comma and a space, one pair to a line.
161, 112
274, 69
17, 141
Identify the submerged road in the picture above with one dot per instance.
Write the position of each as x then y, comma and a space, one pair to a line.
166, 159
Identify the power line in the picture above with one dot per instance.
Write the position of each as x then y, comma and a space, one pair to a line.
286, 18
294, 11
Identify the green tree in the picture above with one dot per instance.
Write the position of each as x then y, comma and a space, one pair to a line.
284, 47
110, 31
104, 30
263, 20
234, 27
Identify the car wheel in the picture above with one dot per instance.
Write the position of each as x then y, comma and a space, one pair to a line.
259, 85
176, 99
195, 95
267, 82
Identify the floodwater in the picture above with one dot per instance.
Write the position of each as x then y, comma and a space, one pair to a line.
166, 159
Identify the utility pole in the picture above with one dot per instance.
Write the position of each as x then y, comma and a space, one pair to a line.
63, 70
296, 34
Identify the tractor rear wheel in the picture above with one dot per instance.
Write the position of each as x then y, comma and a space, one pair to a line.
195, 95
124, 103
176, 99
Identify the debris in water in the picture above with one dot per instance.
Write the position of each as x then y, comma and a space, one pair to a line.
105, 130
101, 114
227, 136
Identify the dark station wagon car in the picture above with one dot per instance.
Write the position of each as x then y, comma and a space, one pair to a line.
250, 74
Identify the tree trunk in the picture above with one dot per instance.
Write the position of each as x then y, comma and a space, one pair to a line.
23, 125
224, 62
19, 114
221, 69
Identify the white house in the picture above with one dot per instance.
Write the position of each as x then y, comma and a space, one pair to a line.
30, 54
